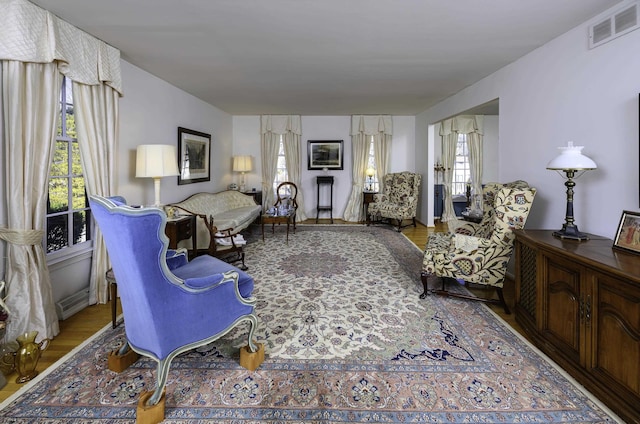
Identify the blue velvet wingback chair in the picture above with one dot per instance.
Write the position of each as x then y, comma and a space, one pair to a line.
170, 305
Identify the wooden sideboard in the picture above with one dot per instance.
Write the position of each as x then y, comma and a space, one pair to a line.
580, 304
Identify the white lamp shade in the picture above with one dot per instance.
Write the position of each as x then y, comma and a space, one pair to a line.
570, 157
156, 160
242, 163
370, 172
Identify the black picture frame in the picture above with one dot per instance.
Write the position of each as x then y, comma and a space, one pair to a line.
323, 154
628, 234
194, 156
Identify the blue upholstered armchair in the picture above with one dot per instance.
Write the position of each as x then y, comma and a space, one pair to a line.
170, 305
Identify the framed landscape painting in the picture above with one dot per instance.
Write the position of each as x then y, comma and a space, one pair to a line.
193, 156
325, 154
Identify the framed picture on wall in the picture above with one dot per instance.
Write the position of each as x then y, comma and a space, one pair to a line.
194, 149
628, 234
325, 154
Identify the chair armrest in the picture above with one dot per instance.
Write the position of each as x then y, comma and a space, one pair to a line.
468, 228
379, 197
176, 258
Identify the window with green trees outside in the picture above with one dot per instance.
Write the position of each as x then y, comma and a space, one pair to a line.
68, 213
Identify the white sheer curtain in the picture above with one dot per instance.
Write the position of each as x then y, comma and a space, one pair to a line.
96, 111
362, 128
294, 169
36, 48
30, 97
449, 130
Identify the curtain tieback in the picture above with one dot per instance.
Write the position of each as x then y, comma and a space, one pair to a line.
21, 237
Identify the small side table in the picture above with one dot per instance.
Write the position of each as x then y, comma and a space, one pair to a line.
324, 180
257, 196
287, 218
367, 197
182, 228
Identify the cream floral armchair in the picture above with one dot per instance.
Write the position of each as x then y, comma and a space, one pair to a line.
399, 200
480, 258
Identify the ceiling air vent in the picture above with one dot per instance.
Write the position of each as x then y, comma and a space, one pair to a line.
614, 25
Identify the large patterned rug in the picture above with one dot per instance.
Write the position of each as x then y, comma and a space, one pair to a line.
347, 340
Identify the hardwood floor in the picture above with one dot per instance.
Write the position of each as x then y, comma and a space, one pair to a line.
79, 327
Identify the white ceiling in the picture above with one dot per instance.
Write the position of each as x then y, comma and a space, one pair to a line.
324, 57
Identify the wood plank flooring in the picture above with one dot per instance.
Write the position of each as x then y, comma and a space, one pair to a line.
79, 327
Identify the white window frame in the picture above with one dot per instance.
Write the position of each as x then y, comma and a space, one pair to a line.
371, 163
83, 247
282, 174
461, 167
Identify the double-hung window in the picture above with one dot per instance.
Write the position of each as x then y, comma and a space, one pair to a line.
461, 168
371, 181
68, 216
281, 170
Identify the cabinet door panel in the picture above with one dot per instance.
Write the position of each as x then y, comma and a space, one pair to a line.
616, 330
561, 316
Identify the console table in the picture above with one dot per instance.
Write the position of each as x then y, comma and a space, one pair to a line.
320, 181
580, 303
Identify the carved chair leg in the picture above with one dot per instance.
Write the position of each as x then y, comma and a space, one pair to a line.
425, 279
502, 302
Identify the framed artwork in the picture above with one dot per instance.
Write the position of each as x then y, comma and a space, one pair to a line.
325, 154
194, 149
628, 234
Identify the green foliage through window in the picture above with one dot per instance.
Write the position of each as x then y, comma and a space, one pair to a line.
68, 214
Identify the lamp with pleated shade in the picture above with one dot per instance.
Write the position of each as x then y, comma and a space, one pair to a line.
156, 161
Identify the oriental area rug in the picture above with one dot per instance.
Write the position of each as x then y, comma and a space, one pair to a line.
347, 340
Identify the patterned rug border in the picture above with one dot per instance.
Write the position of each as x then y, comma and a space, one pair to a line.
280, 413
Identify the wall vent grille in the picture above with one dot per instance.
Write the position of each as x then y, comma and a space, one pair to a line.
72, 304
614, 26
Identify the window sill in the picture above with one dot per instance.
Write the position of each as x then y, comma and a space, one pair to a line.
69, 256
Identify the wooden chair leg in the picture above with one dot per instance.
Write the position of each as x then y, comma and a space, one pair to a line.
252, 360
121, 359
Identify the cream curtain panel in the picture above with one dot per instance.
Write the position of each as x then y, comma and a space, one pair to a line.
271, 128
363, 127
96, 110
30, 100
473, 126
36, 47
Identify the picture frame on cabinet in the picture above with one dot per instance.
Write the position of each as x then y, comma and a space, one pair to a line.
628, 234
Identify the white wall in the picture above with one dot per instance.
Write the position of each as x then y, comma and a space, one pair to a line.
560, 92
151, 111
246, 141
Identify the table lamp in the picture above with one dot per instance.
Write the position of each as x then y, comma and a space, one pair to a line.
242, 164
370, 173
156, 161
571, 161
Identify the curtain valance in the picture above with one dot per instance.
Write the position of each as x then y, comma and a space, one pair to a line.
280, 124
29, 33
463, 124
371, 124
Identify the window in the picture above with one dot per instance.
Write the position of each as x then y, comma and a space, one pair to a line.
461, 169
68, 214
281, 171
371, 182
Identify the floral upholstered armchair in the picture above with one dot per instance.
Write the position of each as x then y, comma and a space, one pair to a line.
399, 201
480, 258
485, 226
